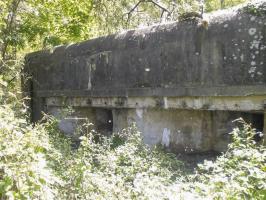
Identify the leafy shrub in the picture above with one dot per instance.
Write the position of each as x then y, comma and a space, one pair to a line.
24, 171
240, 173
26, 152
120, 167
39, 162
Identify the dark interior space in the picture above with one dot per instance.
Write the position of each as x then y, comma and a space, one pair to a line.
257, 122
104, 121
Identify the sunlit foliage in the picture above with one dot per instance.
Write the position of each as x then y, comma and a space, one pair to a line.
38, 162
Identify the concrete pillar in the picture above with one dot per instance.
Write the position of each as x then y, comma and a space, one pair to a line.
120, 119
178, 130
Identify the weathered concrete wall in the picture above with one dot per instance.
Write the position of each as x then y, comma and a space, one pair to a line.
178, 81
179, 130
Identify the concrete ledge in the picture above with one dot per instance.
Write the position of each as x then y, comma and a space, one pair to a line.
247, 90
249, 104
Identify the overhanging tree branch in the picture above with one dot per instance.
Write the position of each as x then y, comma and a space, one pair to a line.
155, 3
160, 6
132, 10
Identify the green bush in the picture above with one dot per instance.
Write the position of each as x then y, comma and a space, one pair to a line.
24, 171
120, 167
240, 173
39, 162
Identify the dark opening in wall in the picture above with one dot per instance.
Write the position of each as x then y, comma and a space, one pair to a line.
257, 121
223, 123
104, 121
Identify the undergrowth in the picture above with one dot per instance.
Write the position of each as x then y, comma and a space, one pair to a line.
240, 173
38, 162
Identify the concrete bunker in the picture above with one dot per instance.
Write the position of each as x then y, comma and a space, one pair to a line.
182, 83
177, 129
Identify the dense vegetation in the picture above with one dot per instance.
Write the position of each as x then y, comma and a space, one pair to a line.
38, 162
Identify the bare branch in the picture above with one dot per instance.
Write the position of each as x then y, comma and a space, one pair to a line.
147, 1
160, 6
132, 10
162, 14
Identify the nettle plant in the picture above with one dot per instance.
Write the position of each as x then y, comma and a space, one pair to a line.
38, 162
26, 152
24, 171
119, 167
240, 173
